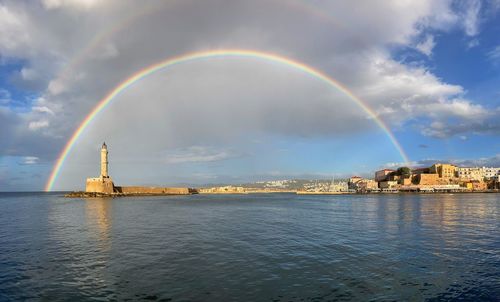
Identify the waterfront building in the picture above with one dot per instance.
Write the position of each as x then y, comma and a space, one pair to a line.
340, 186
360, 184
477, 173
353, 182
444, 170
495, 182
388, 184
355, 179
490, 172
381, 175
470, 173
224, 189
366, 185
439, 176
479, 185
447, 188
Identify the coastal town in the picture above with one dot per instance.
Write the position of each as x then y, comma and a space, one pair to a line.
439, 177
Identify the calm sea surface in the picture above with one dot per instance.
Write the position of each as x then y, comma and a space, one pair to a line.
279, 247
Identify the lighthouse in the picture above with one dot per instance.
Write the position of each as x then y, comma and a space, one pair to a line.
103, 183
104, 161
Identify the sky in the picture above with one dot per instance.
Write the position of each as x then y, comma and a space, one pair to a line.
429, 70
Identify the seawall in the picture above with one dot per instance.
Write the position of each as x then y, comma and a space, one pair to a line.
154, 190
136, 191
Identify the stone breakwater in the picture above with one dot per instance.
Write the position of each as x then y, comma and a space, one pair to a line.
134, 191
154, 190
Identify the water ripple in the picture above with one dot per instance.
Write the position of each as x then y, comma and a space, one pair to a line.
250, 248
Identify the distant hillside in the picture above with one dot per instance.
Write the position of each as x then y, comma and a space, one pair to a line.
291, 184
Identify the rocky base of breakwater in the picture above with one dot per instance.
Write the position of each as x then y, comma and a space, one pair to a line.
81, 194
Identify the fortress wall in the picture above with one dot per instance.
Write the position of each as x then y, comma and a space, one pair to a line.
428, 179
152, 190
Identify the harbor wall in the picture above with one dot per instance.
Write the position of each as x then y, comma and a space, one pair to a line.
153, 190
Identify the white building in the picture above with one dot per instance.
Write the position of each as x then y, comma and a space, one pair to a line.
490, 172
470, 173
476, 173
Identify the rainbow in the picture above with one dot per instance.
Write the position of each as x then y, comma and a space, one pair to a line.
222, 53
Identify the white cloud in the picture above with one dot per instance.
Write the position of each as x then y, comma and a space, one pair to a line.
5, 96
494, 54
30, 160
473, 43
42, 109
12, 30
426, 46
37, 125
400, 93
197, 154
458, 108
471, 17
85, 4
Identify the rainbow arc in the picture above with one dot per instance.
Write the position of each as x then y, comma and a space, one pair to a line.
203, 55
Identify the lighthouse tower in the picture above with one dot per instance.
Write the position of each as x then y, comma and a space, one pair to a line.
104, 161
103, 183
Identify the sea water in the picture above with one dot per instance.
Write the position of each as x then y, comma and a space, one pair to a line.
263, 247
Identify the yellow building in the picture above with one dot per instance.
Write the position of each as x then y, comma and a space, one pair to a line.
444, 170
468, 185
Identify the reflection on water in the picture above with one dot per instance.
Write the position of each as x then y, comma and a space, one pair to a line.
98, 213
250, 248
79, 243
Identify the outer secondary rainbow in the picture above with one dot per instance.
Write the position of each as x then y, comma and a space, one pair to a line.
107, 33
238, 53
